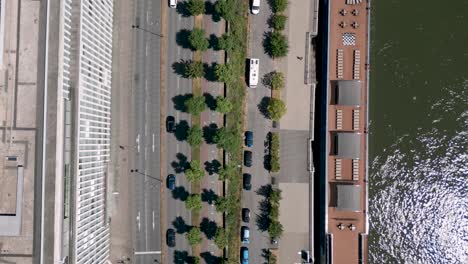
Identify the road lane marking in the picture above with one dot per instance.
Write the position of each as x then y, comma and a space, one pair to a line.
153, 142
146, 209
138, 143
147, 49
138, 220
153, 220
177, 148
147, 252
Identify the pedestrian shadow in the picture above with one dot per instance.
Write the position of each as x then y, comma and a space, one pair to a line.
212, 167
180, 193
263, 220
180, 225
179, 102
181, 164
209, 196
209, 132
210, 72
181, 130
263, 106
210, 258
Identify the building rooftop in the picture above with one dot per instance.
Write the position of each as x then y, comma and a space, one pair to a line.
348, 92
348, 197
347, 145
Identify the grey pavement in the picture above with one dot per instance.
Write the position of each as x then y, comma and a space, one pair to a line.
260, 126
176, 151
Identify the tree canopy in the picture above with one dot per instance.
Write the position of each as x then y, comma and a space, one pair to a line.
194, 202
229, 140
197, 39
276, 109
223, 105
195, 173
194, 69
194, 236
196, 7
195, 105
195, 136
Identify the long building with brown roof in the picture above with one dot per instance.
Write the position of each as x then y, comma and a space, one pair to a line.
346, 209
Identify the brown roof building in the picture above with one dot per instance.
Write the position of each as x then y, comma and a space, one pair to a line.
346, 220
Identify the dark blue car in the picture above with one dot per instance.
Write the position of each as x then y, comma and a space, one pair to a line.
249, 138
171, 182
244, 255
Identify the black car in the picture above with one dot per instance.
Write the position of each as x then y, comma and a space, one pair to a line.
249, 138
170, 124
248, 158
246, 215
247, 179
170, 237
171, 182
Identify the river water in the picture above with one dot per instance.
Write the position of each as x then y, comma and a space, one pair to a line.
418, 197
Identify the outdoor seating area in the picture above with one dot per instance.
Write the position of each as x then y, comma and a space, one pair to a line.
338, 169
356, 64
355, 170
339, 64
353, 2
351, 227
356, 119
339, 119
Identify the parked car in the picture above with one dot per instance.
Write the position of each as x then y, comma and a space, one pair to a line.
248, 158
255, 7
246, 215
247, 181
172, 3
170, 124
244, 255
170, 237
171, 182
249, 138
245, 234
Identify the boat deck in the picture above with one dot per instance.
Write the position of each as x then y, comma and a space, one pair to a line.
347, 131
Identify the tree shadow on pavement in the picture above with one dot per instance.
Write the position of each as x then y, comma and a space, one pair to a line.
265, 190
208, 227
266, 80
211, 259
209, 132
179, 102
210, 10
263, 106
181, 164
210, 73
182, 9
182, 257
180, 193
263, 220
212, 167
266, 162
181, 130
213, 42
209, 196
210, 101
180, 225
179, 68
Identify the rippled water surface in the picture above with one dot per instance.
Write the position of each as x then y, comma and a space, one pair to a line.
418, 195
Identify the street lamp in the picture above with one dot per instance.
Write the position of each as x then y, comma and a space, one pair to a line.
149, 176
147, 31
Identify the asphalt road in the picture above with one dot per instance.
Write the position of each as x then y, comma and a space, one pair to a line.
177, 151
145, 131
260, 126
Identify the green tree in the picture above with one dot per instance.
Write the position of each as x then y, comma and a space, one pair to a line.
273, 212
196, 260
221, 239
194, 202
196, 7
277, 81
195, 136
194, 236
225, 73
197, 39
223, 105
275, 196
221, 204
229, 140
227, 42
274, 164
227, 172
274, 153
276, 109
194, 69
275, 229
279, 5
226, 9
277, 45
278, 21
195, 173
195, 105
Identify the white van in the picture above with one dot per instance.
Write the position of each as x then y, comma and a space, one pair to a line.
255, 7
172, 3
